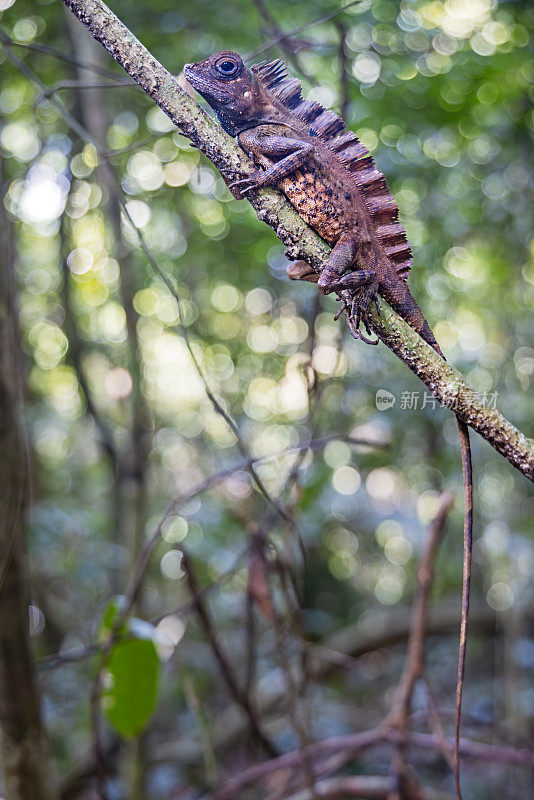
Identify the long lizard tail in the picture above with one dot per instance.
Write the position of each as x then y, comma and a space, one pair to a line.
402, 301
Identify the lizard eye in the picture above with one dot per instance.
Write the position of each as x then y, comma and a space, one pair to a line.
227, 67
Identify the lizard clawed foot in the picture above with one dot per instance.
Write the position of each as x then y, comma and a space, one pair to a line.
357, 315
356, 291
252, 181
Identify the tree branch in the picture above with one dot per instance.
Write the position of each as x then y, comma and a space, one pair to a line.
443, 380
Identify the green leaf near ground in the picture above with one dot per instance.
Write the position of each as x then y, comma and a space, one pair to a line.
130, 698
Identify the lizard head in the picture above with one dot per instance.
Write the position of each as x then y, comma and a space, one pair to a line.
230, 88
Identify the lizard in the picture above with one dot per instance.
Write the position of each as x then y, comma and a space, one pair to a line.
332, 181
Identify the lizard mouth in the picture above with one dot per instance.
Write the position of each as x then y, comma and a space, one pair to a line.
207, 90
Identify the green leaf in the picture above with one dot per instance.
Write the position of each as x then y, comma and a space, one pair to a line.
130, 699
109, 615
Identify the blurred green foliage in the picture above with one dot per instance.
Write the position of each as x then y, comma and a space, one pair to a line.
132, 672
441, 93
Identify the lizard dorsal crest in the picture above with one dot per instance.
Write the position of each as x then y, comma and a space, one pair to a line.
330, 128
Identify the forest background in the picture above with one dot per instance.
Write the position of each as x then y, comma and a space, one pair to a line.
184, 401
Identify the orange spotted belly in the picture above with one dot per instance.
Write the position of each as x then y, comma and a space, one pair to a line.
315, 201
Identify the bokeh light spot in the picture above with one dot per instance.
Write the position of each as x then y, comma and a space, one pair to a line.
171, 565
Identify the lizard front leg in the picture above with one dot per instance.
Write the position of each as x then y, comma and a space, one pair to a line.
286, 155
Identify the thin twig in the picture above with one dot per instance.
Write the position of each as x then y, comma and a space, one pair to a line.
357, 743
241, 697
343, 70
75, 355
144, 556
295, 32
78, 84
77, 654
285, 43
62, 56
414, 664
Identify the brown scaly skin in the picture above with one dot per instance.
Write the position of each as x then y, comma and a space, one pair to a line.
333, 183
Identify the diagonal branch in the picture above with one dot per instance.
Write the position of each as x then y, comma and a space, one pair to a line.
241, 697
443, 380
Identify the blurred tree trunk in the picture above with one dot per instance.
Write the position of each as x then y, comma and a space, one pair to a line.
22, 742
131, 476
92, 109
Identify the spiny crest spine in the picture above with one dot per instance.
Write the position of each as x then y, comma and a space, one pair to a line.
273, 75
289, 92
330, 128
327, 125
308, 110
403, 270
270, 73
394, 233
